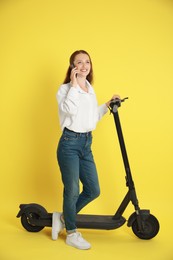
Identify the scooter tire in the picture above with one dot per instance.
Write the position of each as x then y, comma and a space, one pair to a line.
150, 225
29, 227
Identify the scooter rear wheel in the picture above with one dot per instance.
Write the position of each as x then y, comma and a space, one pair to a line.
150, 228
25, 219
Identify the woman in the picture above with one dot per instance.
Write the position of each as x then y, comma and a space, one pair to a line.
79, 114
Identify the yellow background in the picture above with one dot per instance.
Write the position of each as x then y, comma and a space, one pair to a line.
130, 42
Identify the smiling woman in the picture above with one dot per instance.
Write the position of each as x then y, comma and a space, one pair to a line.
79, 114
75, 62
80, 71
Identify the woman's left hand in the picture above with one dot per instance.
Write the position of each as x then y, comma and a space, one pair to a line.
114, 97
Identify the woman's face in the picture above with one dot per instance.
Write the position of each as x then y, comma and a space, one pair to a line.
83, 64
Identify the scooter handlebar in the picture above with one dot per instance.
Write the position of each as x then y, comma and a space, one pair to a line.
115, 104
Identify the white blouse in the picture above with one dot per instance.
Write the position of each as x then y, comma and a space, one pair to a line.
78, 110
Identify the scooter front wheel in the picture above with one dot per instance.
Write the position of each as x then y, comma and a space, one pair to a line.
150, 228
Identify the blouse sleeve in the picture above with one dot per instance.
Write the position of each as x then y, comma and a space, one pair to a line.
102, 110
68, 99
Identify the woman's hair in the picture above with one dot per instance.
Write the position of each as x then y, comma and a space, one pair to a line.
71, 60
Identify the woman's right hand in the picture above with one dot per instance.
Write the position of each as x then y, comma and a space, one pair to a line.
73, 77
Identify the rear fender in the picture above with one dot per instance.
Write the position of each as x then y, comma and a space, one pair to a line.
32, 207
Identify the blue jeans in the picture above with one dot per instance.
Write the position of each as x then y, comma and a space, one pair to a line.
76, 164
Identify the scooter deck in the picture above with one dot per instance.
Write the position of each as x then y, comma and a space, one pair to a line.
99, 221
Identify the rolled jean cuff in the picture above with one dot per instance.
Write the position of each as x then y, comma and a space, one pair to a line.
71, 231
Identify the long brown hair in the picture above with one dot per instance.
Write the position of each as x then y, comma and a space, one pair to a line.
71, 60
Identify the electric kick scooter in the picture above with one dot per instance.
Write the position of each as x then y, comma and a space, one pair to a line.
144, 225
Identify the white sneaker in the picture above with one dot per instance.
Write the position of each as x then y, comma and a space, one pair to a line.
76, 240
57, 225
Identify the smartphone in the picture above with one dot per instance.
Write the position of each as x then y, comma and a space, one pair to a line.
72, 66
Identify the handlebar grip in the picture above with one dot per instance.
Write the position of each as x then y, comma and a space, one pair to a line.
115, 103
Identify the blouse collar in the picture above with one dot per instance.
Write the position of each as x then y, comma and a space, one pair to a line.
90, 88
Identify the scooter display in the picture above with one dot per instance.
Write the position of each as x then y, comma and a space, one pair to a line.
35, 217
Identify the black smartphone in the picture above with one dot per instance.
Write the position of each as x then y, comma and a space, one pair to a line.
72, 66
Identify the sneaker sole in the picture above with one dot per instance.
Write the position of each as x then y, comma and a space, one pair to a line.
78, 247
